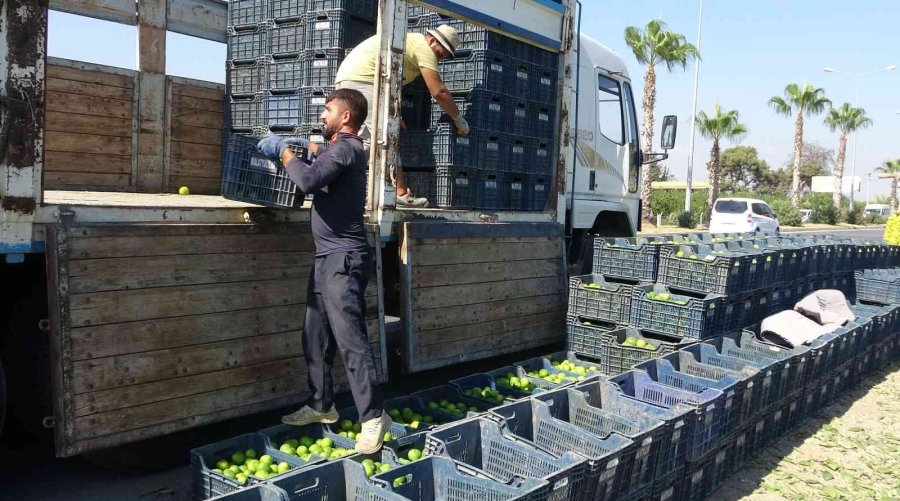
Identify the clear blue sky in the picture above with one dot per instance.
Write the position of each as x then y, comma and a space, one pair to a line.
751, 50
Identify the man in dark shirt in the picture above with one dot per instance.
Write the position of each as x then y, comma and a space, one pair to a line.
335, 301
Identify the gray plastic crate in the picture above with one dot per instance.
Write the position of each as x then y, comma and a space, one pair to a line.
247, 79
608, 347
248, 44
336, 29
247, 12
628, 258
595, 297
248, 176
320, 66
287, 39
246, 114
676, 314
285, 75
287, 9
478, 69
712, 269
312, 103
365, 9
343, 479
882, 288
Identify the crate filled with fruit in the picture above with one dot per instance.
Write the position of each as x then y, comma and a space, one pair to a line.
598, 297
656, 308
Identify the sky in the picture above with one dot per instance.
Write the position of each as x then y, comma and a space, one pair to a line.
750, 52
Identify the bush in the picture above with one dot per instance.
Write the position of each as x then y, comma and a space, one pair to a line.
670, 203
855, 216
788, 215
687, 220
874, 219
822, 207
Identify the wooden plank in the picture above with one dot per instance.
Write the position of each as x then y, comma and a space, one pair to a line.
86, 181
471, 294
87, 105
136, 368
111, 274
488, 330
198, 92
87, 163
197, 135
285, 231
195, 168
441, 355
165, 333
205, 19
161, 245
180, 101
427, 255
478, 241
456, 274
59, 340
91, 76
197, 185
482, 231
100, 308
87, 143
197, 118
90, 89
130, 396
192, 151
441, 318
88, 124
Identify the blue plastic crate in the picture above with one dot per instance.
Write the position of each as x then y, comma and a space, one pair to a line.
701, 411
677, 315
596, 408
448, 149
467, 383
452, 396
285, 75
438, 478
400, 404
877, 287
247, 12
521, 155
532, 421
261, 492
335, 29
793, 360
596, 297
493, 151
248, 176
479, 443
474, 37
488, 190
544, 116
344, 479
482, 109
628, 258
246, 79
455, 187
537, 191
477, 69
287, 39
320, 66
282, 112
514, 192
416, 105
546, 88
283, 10
520, 117
522, 77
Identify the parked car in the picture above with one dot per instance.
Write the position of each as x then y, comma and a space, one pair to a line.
743, 215
806, 215
877, 210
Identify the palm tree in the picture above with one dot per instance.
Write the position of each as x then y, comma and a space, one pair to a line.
651, 46
846, 119
891, 169
717, 127
809, 101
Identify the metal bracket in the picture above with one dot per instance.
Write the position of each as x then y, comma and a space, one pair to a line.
66, 217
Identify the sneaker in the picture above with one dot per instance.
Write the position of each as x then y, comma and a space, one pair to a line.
307, 415
372, 436
411, 201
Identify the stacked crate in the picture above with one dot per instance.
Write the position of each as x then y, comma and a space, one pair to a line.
506, 90
283, 56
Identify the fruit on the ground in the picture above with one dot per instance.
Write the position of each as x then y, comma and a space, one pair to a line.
184, 191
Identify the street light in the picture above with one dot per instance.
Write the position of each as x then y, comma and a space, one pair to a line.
858, 77
690, 166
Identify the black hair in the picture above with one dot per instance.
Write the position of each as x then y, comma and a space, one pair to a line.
355, 101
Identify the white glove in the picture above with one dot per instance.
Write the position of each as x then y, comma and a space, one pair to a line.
462, 127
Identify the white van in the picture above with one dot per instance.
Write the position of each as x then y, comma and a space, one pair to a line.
743, 215
877, 209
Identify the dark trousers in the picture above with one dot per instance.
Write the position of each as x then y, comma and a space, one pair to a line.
336, 320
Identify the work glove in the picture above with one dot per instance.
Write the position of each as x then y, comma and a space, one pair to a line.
273, 145
462, 127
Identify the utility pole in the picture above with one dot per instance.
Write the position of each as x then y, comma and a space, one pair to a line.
690, 168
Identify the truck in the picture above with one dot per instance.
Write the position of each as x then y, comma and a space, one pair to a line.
134, 312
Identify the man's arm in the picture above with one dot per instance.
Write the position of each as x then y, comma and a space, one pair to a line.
442, 95
311, 178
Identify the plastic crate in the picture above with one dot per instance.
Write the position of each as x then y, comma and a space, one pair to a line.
287, 9
598, 298
545, 89
276, 435
667, 486
247, 12
493, 151
416, 105
612, 357
282, 111
478, 69
480, 444
247, 44
532, 421
482, 380
343, 479
877, 288
706, 272
287, 39
521, 155
422, 181
452, 395
416, 149
793, 360
248, 176
285, 75
336, 29
365, 9
320, 66
451, 150
261, 492
680, 315
513, 193
596, 408
549, 363
701, 411
544, 119
455, 187
438, 478
628, 258
474, 37
312, 133
246, 79
488, 190
333, 431
203, 460
541, 161
760, 390
312, 103
520, 117
489, 110
537, 190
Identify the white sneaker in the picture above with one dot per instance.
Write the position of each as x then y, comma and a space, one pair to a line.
411, 201
371, 437
307, 415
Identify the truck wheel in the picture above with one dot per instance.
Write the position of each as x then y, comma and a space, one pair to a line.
2, 397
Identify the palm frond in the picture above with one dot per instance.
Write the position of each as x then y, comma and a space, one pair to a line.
889, 167
638, 44
847, 119
781, 106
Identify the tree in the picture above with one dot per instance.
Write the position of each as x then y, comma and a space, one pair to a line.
741, 169
778, 181
798, 101
846, 119
659, 172
651, 46
716, 127
891, 169
815, 160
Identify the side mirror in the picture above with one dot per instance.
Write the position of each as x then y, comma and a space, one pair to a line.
669, 129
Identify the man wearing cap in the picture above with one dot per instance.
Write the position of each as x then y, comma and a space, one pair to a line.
423, 51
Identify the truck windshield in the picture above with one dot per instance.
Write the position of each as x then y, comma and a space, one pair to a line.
731, 206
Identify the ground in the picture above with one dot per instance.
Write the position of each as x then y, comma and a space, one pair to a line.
870, 231
850, 450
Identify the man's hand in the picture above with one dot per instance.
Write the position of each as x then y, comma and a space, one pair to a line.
462, 127
272, 146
